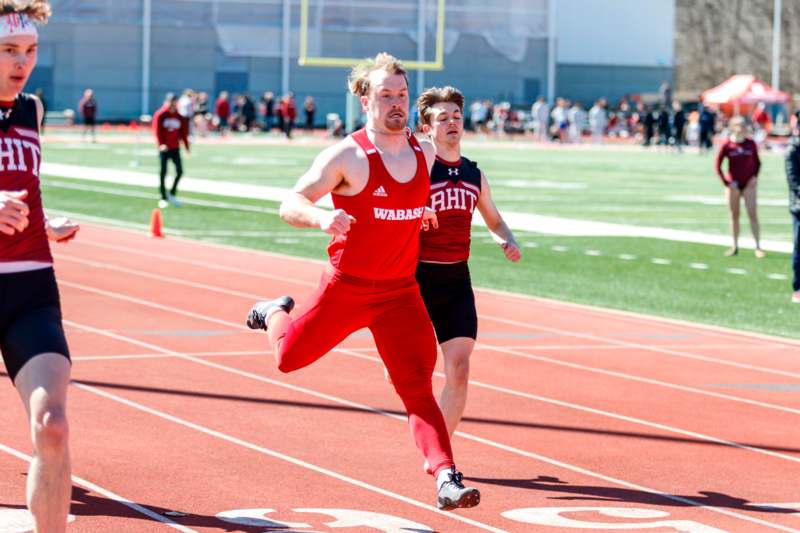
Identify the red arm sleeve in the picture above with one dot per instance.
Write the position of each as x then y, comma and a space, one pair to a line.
721, 155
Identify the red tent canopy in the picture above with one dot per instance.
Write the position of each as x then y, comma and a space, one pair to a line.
743, 89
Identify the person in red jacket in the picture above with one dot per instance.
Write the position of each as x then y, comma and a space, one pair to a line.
288, 110
170, 129
740, 180
222, 112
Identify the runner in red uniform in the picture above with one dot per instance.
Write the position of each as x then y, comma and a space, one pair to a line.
379, 181
741, 180
458, 186
32, 338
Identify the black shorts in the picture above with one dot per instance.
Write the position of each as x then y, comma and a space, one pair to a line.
447, 292
30, 318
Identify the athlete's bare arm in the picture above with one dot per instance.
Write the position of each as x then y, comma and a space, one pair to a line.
494, 221
337, 169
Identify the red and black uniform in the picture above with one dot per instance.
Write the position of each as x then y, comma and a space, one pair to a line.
88, 110
170, 128
743, 162
370, 284
442, 272
30, 309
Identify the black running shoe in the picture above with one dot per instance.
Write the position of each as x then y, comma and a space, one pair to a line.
257, 319
454, 495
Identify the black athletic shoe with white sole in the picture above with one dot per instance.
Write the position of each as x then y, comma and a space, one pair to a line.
454, 495
261, 311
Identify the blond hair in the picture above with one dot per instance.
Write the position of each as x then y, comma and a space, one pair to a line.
437, 95
358, 81
37, 10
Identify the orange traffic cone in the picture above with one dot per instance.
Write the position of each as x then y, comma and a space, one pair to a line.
155, 223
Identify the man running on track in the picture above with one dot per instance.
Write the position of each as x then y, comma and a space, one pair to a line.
378, 178
31, 334
458, 186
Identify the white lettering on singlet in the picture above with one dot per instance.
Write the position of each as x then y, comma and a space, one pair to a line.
12, 155
398, 214
454, 198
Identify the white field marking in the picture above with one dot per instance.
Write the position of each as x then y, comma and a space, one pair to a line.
558, 248
154, 197
627, 257
502, 350
714, 200
584, 347
516, 221
255, 447
778, 277
660, 261
658, 350
530, 245
519, 324
468, 436
736, 271
698, 266
107, 493
593, 253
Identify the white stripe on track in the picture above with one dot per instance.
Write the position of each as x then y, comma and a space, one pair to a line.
475, 438
108, 494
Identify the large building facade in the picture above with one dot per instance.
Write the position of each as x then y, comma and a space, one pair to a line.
132, 52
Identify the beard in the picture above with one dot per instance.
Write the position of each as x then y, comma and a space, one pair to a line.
395, 123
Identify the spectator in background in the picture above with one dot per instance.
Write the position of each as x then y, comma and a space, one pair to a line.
598, 120
761, 122
478, 113
740, 181
170, 128
648, 121
560, 120
268, 110
793, 179
201, 114
577, 122
87, 107
664, 127
678, 124
40, 95
248, 112
288, 113
540, 112
222, 112
309, 107
665, 93
707, 124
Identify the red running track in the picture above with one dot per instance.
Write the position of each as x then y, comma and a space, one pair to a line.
578, 418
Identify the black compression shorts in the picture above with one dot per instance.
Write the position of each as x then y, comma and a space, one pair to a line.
447, 292
30, 318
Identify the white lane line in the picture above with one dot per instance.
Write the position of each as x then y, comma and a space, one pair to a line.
736, 271
698, 266
108, 494
627, 257
559, 248
530, 245
559, 362
475, 438
660, 261
778, 277
255, 447
593, 253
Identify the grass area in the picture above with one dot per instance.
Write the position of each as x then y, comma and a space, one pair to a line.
631, 186
611, 272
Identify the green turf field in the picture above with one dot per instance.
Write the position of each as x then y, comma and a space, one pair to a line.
672, 279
